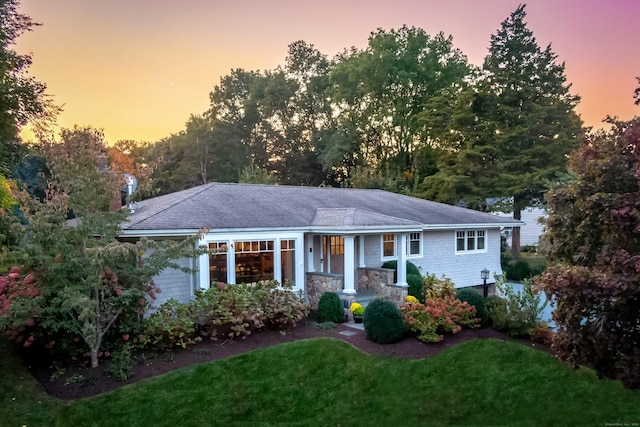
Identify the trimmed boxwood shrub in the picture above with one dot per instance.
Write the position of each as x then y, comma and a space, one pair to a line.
411, 267
497, 308
330, 308
414, 278
383, 322
472, 297
416, 286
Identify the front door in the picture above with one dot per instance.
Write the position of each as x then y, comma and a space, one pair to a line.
333, 254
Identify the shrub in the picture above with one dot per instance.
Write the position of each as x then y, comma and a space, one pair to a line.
518, 271
172, 325
497, 309
416, 287
524, 308
120, 366
330, 308
383, 322
438, 316
229, 311
283, 308
435, 287
472, 297
411, 267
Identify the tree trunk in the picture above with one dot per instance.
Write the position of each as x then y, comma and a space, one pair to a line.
515, 235
94, 357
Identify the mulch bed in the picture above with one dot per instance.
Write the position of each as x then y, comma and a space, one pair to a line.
89, 382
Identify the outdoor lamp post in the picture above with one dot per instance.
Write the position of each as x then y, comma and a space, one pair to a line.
484, 275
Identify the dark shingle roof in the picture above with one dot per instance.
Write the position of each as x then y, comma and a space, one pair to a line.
248, 206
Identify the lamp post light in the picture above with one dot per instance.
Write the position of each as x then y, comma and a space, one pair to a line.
484, 275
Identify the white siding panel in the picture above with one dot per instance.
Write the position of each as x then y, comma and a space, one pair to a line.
440, 258
531, 232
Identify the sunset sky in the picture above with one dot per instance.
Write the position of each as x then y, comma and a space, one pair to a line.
138, 68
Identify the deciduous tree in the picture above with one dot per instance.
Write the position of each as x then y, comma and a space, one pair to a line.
591, 236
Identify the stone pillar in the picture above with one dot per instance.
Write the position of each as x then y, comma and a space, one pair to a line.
349, 265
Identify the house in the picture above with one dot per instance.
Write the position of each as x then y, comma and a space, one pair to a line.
321, 239
531, 231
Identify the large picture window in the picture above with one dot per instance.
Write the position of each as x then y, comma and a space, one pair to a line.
254, 260
471, 241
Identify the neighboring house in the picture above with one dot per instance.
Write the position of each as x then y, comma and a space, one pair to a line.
321, 239
531, 231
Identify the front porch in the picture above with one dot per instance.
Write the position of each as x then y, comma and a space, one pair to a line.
371, 282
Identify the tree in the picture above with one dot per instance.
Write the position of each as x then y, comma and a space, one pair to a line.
380, 91
592, 237
22, 98
511, 131
87, 280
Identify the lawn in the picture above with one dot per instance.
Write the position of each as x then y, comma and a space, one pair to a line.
327, 382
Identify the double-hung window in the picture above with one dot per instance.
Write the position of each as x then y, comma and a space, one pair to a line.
388, 246
471, 241
414, 243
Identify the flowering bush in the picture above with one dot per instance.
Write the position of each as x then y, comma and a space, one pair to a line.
354, 306
356, 309
20, 301
411, 299
438, 316
224, 312
438, 288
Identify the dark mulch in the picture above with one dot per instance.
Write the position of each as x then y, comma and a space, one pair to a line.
76, 383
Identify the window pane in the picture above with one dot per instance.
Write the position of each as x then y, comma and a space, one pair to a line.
388, 245
287, 259
414, 247
460, 241
481, 240
218, 262
254, 261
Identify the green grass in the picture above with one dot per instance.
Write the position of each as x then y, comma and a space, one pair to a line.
327, 382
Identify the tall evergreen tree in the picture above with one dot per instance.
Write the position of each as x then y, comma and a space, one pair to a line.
514, 129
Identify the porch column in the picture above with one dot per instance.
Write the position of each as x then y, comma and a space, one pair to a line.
402, 260
310, 255
203, 267
349, 265
361, 251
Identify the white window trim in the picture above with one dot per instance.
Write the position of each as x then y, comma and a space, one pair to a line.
474, 251
420, 239
395, 247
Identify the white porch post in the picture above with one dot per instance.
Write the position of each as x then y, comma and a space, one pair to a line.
309, 253
402, 260
203, 266
361, 251
349, 265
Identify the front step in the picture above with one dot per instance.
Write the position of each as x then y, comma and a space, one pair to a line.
348, 299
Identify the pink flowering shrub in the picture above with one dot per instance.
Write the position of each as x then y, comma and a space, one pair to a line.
224, 312
20, 301
436, 317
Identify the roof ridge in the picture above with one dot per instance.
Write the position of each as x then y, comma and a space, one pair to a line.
177, 202
387, 216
